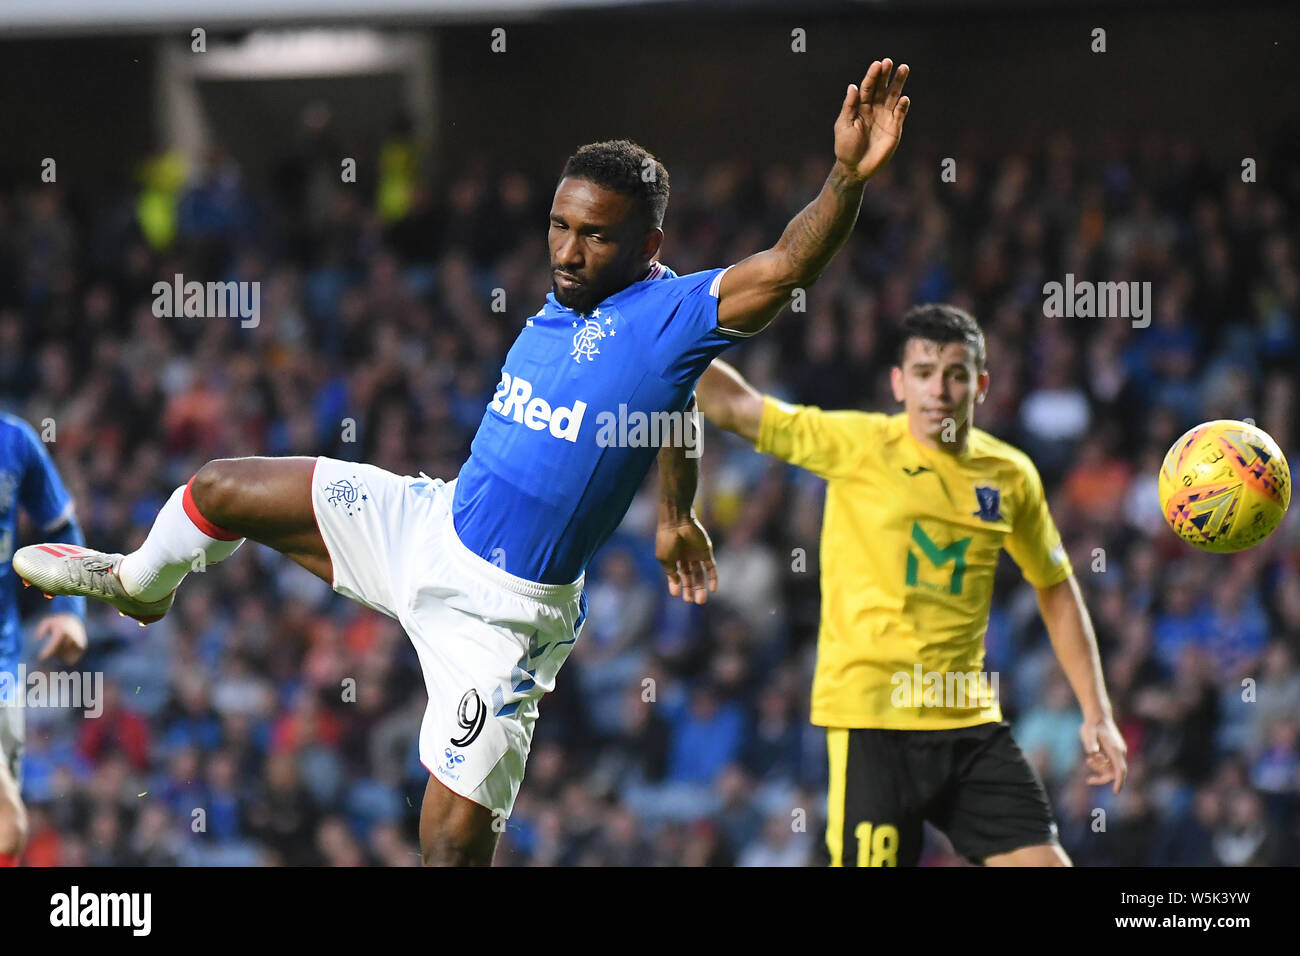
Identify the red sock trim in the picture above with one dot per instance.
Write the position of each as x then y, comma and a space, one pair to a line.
202, 523
6, 860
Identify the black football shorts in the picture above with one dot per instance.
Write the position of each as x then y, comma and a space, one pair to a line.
972, 783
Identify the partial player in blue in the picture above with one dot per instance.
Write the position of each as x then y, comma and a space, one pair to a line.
30, 482
485, 573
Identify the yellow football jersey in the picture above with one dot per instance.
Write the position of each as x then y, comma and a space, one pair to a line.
910, 543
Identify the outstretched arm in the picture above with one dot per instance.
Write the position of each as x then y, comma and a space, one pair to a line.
867, 131
1070, 630
729, 401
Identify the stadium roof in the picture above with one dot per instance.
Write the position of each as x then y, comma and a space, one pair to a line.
150, 16
70, 17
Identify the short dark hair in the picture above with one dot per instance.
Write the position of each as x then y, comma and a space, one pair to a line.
624, 167
939, 322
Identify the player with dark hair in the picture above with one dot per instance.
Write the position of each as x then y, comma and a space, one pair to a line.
485, 573
918, 506
30, 482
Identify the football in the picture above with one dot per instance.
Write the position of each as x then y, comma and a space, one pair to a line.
1224, 486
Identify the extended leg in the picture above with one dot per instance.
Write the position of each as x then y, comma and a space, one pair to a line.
265, 499
455, 831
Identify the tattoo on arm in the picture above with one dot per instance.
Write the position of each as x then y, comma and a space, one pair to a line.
813, 237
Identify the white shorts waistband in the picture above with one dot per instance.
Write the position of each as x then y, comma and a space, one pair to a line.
553, 594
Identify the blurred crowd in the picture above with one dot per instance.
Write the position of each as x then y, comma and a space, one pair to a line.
268, 721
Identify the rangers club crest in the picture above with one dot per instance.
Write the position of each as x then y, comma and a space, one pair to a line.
347, 495
588, 335
584, 341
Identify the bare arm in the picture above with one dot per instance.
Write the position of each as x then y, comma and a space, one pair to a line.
729, 401
1075, 643
867, 131
682, 546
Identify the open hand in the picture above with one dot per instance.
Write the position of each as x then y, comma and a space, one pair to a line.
686, 555
871, 119
64, 635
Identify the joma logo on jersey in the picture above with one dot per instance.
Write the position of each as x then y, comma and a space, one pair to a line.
514, 398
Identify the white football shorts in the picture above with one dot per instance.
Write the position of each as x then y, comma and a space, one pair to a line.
490, 644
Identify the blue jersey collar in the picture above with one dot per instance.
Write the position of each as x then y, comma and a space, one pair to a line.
657, 271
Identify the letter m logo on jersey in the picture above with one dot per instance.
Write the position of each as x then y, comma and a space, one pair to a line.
937, 556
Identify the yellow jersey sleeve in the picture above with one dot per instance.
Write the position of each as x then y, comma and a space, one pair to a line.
830, 444
1034, 542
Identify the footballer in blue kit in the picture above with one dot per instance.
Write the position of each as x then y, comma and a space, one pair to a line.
29, 482
547, 480
485, 572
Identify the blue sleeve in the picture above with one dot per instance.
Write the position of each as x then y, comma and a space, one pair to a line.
42, 495
685, 316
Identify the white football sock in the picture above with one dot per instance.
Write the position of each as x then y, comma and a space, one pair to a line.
170, 552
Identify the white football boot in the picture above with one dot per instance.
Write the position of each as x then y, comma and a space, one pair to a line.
58, 568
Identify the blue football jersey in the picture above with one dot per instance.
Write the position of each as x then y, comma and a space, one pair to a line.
560, 452
28, 480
